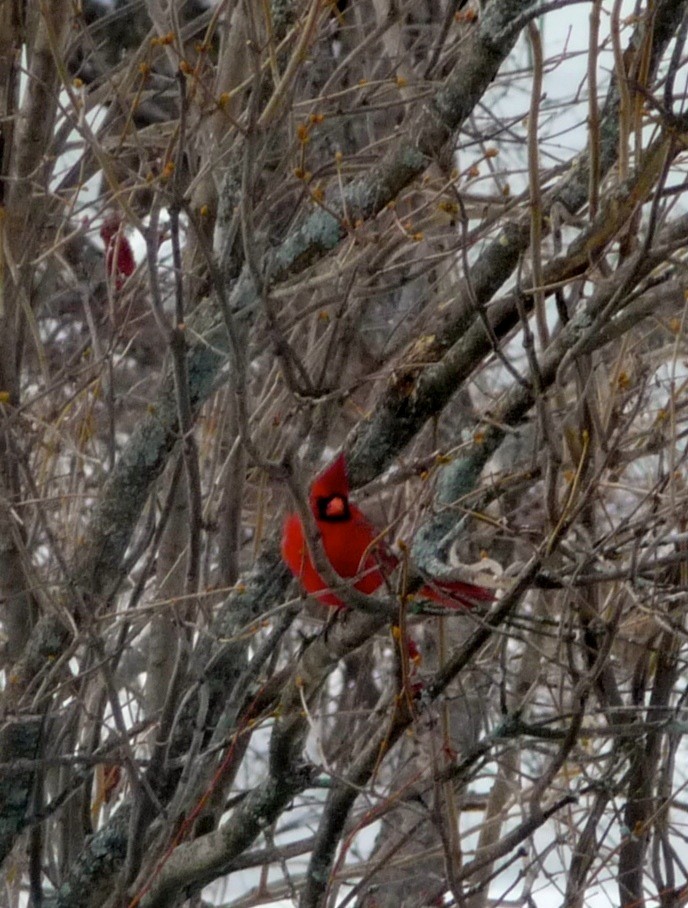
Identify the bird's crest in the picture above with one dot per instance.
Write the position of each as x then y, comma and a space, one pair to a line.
332, 481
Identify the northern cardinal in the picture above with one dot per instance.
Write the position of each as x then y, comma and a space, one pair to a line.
119, 257
354, 548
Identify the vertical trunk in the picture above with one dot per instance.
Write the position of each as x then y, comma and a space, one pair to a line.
166, 633
25, 165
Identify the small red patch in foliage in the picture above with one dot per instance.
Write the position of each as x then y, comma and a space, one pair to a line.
119, 257
413, 651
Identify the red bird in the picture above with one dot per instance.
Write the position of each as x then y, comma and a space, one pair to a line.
119, 256
354, 548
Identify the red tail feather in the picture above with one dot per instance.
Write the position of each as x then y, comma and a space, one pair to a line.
456, 594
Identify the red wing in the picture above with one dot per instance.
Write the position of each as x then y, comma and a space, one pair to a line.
356, 550
351, 549
297, 558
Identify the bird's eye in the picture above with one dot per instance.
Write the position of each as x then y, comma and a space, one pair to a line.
336, 507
